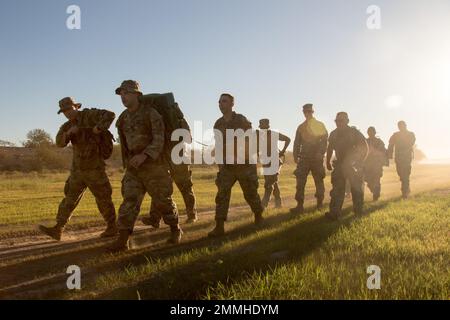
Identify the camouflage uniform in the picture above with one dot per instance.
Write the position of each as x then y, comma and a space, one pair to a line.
310, 145
88, 166
373, 166
245, 174
182, 176
351, 149
143, 132
403, 142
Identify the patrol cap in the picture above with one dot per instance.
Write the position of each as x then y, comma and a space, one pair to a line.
308, 107
264, 123
130, 86
67, 103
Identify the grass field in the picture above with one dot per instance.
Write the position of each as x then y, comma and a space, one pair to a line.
290, 257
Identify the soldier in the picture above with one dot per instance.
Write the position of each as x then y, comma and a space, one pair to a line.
350, 149
310, 145
83, 130
229, 173
403, 141
182, 176
141, 133
373, 166
271, 180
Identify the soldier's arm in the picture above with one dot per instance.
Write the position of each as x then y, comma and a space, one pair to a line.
102, 118
297, 143
323, 140
286, 140
62, 138
384, 152
413, 139
218, 144
154, 149
330, 149
185, 126
362, 148
390, 151
245, 124
122, 141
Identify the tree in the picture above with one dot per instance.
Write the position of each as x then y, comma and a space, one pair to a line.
38, 138
4, 143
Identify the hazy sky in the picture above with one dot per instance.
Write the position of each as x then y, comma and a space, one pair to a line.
273, 55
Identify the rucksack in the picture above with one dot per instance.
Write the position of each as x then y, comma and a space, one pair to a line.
103, 143
168, 108
106, 144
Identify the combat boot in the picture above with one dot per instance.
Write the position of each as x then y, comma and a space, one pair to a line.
151, 221
297, 210
111, 230
122, 243
219, 230
332, 216
175, 235
278, 203
53, 232
258, 219
319, 204
191, 217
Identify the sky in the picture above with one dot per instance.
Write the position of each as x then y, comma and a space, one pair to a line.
272, 55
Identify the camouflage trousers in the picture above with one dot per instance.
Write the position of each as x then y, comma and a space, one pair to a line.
404, 171
153, 179
342, 173
271, 186
98, 183
247, 177
182, 176
304, 167
372, 175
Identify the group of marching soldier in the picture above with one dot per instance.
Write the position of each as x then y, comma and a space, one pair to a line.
149, 169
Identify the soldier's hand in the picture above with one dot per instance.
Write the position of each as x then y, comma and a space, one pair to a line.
96, 130
73, 130
138, 160
329, 166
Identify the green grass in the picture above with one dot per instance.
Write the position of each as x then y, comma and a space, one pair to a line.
303, 257
30, 198
317, 259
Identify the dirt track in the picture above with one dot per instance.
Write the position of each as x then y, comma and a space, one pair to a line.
35, 267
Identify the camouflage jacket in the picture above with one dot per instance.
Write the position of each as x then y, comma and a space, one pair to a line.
349, 145
141, 131
377, 156
238, 121
403, 142
310, 140
86, 152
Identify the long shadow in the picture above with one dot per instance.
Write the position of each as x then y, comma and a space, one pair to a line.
190, 281
61, 255
141, 256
